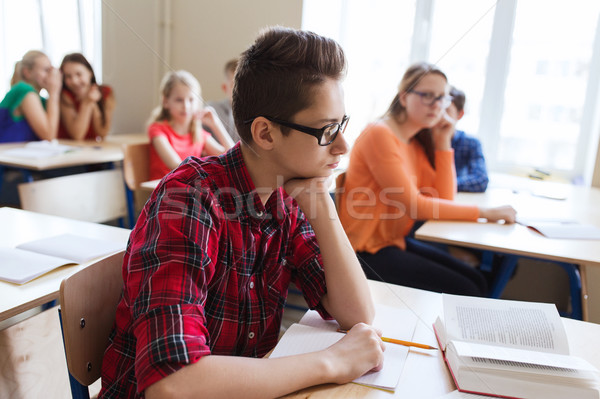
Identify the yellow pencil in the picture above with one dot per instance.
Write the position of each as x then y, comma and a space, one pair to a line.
399, 341
406, 343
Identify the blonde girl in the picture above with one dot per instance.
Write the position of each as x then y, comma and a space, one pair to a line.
24, 114
175, 128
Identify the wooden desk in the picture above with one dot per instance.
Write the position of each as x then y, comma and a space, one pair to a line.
150, 185
20, 226
425, 374
89, 153
527, 197
33, 360
127, 138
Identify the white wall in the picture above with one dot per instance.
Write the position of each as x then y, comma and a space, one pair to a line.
144, 38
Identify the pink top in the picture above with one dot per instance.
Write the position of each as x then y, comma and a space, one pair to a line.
183, 146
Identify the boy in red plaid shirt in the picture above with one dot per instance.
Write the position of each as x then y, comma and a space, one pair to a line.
210, 259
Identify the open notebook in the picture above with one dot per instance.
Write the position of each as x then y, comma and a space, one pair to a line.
35, 258
313, 333
562, 228
40, 149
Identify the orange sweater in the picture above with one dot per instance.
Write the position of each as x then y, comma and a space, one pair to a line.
390, 184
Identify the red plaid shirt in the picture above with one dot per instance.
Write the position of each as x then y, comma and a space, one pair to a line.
206, 271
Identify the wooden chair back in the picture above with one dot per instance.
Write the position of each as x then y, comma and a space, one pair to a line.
136, 164
92, 197
88, 301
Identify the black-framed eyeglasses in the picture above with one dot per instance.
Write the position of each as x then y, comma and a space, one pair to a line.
325, 135
428, 98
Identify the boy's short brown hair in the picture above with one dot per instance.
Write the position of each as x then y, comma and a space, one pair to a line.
275, 75
458, 98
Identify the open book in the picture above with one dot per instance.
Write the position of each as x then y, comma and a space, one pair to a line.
32, 259
313, 333
562, 228
511, 349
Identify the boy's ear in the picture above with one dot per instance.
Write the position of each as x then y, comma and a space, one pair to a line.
262, 133
460, 114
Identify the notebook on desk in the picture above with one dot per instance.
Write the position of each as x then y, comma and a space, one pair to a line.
313, 333
32, 259
562, 228
39, 149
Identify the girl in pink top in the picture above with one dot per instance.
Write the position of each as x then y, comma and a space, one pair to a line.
176, 126
402, 170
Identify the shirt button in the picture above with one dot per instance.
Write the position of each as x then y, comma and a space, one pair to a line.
251, 284
259, 214
251, 335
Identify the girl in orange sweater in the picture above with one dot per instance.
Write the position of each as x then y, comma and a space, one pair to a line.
402, 170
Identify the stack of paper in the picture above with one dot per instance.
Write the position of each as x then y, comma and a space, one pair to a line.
313, 334
39, 149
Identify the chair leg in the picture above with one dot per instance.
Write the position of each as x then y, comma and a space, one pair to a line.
78, 390
130, 206
575, 289
487, 261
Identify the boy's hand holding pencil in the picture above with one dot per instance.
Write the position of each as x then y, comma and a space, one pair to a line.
400, 342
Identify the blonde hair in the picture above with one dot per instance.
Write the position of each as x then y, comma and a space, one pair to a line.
27, 62
166, 87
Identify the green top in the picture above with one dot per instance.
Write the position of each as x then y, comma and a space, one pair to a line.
15, 97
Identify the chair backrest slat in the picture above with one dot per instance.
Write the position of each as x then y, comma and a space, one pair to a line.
88, 301
136, 164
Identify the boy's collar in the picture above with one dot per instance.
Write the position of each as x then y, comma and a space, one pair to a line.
245, 196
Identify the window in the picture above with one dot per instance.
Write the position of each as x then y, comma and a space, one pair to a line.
530, 70
546, 83
376, 52
57, 27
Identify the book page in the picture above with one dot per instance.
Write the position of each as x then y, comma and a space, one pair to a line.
299, 339
519, 360
19, 266
516, 324
73, 247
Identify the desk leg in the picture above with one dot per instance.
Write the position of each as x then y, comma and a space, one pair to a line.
27, 177
585, 295
590, 292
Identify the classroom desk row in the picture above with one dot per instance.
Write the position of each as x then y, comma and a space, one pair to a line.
424, 375
88, 153
21, 226
532, 200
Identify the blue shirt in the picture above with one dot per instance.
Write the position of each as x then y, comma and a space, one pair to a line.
15, 128
471, 173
